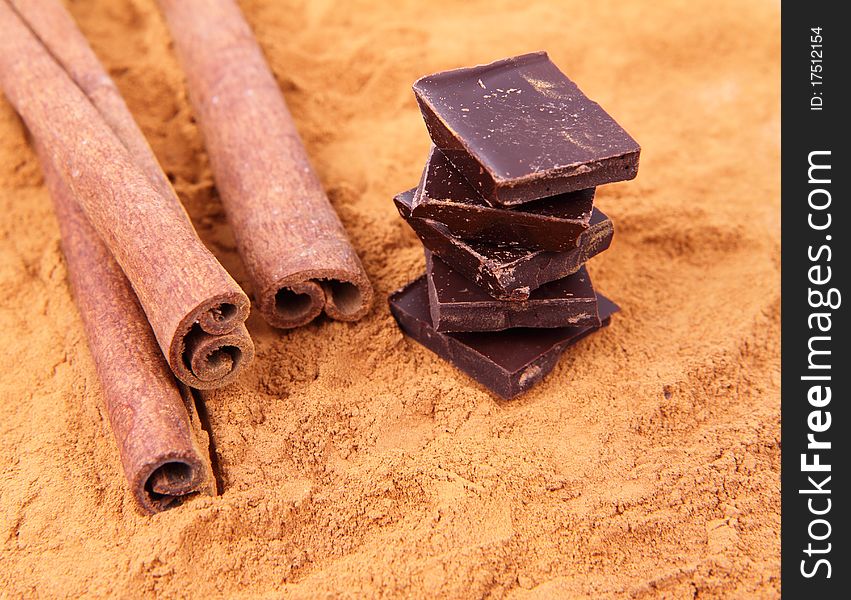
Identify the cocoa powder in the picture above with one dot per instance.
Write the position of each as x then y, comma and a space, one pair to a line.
353, 461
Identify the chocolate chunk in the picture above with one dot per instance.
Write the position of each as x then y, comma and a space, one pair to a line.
506, 272
457, 304
506, 362
520, 130
445, 196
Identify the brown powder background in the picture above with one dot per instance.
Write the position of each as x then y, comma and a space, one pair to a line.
356, 463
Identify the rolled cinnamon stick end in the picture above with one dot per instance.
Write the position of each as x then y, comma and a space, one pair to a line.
98, 152
164, 452
209, 360
293, 244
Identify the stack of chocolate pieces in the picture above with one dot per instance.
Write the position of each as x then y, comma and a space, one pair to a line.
505, 210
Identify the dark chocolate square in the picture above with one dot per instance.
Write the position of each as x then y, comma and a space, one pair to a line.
457, 304
520, 130
506, 362
445, 196
507, 272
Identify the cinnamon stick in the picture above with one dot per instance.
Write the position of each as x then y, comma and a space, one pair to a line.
294, 247
163, 450
55, 28
196, 310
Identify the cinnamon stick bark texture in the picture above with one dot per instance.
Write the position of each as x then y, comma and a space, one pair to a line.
164, 451
196, 310
294, 247
56, 30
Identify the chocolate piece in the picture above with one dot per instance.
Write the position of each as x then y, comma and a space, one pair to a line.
457, 304
445, 196
506, 362
520, 130
506, 272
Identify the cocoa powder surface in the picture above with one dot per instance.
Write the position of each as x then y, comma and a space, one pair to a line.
354, 462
